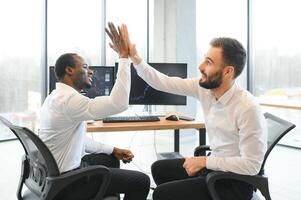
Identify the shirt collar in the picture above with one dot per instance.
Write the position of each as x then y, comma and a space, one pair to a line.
63, 86
225, 98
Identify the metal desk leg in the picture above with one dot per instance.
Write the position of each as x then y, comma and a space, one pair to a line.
202, 139
202, 136
177, 140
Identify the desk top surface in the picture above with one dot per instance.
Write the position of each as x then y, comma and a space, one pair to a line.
287, 104
163, 124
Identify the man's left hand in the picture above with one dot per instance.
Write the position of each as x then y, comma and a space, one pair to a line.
119, 39
194, 164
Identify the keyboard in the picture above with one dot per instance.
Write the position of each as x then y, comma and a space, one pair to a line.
131, 119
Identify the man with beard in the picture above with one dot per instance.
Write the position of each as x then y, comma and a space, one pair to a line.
234, 123
63, 127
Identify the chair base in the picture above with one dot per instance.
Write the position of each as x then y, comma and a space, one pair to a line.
28, 195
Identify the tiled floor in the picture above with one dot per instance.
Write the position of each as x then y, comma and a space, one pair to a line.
282, 166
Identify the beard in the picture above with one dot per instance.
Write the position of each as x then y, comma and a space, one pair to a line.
82, 81
213, 81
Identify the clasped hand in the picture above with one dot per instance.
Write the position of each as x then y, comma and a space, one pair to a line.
123, 154
194, 164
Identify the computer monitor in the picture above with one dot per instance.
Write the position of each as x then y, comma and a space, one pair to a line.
102, 81
143, 94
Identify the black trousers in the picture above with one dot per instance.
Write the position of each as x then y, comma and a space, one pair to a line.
135, 185
175, 184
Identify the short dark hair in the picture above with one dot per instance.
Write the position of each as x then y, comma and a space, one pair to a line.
62, 62
233, 53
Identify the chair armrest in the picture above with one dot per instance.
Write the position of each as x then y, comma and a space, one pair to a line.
201, 150
257, 181
60, 182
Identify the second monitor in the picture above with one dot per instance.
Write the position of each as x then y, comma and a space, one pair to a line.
143, 94
102, 81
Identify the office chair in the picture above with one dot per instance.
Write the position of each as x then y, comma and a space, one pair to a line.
40, 172
277, 128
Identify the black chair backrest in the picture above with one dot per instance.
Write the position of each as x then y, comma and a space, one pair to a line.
277, 128
40, 161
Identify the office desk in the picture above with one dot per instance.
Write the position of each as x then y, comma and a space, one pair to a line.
99, 126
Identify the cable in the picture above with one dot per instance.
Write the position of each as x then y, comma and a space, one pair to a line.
131, 141
137, 165
155, 147
92, 135
155, 143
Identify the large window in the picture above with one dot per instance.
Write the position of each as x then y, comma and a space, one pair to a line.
75, 26
276, 58
21, 62
134, 14
275, 44
217, 18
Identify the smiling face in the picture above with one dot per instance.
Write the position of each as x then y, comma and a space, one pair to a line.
82, 75
212, 69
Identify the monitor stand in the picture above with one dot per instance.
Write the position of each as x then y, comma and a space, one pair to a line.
149, 109
152, 110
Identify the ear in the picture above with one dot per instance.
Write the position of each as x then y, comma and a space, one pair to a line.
69, 70
229, 71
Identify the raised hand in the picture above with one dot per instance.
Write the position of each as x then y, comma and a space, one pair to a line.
134, 54
132, 48
119, 39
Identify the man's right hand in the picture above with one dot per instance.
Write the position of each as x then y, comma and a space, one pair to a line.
119, 39
123, 154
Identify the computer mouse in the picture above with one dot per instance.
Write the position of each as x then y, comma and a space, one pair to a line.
172, 118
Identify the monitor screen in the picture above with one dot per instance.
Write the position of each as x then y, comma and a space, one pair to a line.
102, 81
143, 94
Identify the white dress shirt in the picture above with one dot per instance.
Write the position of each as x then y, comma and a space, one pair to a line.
63, 115
234, 123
